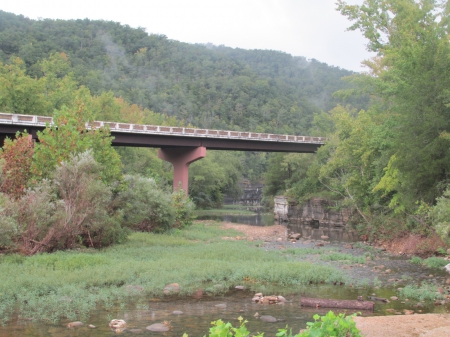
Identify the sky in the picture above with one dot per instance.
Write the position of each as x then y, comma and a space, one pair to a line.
309, 28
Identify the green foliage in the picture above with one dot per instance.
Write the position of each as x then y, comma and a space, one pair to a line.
145, 206
440, 216
424, 292
69, 136
183, 208
416, 260
221, 329
331, 325
435, 262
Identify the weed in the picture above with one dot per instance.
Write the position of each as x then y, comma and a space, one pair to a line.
416, 260
424, 292
331, 325
435, 262
347, 258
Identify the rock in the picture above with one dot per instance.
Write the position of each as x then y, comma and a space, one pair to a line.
391, 311
319, 244
408, 312
258, 294
279, 239
198, 294
268, 318
118, 325
281, 299
448, 251
394, 298
295, 236
158, 327
447, 281
293, 241
441, 290
239, 287
324, 237
92, 326
387, 271
256, 299
74, 324
348, 246
256, 315
221, 306
177, 312
171, 288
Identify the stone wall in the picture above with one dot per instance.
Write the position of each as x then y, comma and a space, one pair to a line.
315, 212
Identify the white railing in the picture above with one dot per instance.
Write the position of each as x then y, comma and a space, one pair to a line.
32, 120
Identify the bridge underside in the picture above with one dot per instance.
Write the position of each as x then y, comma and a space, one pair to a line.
181, 151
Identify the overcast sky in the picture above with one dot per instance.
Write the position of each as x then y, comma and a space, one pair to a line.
310, 28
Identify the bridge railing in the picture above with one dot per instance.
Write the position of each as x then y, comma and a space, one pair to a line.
163, 130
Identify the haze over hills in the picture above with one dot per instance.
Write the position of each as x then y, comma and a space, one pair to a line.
205, 85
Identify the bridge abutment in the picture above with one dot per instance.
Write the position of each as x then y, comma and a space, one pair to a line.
181, 158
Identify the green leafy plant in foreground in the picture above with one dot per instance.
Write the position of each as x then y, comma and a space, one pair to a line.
329, 325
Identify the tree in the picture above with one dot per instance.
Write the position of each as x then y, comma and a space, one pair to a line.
410, 77
68, 136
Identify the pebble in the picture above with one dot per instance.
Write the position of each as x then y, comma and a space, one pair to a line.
92, 326
394, 298
239, 287
177, 312
221, 306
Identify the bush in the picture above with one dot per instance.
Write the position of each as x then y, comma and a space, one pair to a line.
184, 209
440, 216
145, 206
72, 209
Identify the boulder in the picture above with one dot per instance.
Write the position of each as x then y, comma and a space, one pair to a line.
117, 325
171, 288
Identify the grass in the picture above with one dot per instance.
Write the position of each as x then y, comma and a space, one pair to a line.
71, 284
346, 258
431, 262
424, 292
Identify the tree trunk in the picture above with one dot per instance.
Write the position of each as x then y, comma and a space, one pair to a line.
342, 304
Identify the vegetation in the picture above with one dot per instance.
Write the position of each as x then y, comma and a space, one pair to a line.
70, 284
389, 162
327, 325
431, 262
423, 292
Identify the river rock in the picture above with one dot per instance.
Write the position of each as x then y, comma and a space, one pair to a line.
198, 294
391, 311
177, 312
74, 324
118, 325
171, 288
324, 237
408, 312
239, 287
394, 298
281, 299
295, 236
258, 294
92, 326
158, 327
221, 306
268, 318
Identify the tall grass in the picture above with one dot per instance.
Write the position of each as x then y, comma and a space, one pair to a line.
71, 284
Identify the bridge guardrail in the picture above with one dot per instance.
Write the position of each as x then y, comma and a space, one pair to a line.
33, 120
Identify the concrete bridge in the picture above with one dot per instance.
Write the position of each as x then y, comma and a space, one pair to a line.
178, 145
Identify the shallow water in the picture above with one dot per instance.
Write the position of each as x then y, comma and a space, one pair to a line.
257, 219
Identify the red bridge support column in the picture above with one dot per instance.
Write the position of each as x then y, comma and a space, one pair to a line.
181, 158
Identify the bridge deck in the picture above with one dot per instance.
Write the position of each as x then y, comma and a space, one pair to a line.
126, 134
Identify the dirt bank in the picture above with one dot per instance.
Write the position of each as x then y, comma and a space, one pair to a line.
429, 325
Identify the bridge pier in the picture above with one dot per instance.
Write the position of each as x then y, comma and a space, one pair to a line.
181, 158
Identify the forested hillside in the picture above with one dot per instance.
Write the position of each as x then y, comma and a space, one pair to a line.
207, 86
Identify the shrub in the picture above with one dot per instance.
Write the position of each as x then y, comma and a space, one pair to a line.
440, 215
183, 208
145, 206
331, 325
72, 209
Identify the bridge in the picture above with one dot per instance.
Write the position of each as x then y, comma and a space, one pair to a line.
180, 146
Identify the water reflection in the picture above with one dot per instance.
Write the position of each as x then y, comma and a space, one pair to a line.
257, 219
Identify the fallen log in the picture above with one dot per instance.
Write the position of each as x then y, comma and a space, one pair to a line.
343, 304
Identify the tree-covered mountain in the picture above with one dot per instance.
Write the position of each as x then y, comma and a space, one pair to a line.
205, 85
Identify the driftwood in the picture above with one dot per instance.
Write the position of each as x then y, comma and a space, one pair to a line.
343, 304
380, 299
